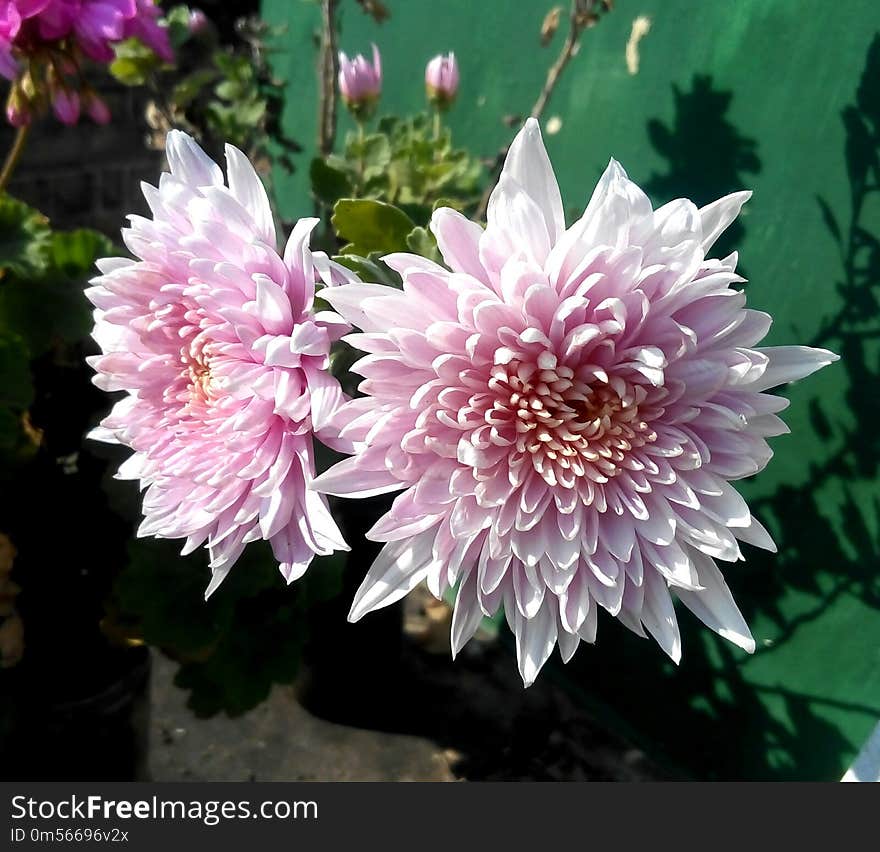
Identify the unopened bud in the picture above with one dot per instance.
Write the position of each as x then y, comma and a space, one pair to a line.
18, 112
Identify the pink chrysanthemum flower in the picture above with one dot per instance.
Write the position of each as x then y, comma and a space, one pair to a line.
360, 81
564, 410
212, 334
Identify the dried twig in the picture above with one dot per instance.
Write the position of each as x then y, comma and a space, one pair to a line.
583, 14
377, 10
328, 69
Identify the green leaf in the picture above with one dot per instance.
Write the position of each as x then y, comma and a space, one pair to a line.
422, 242
248, 635
377, 151
264, 647
129, 72
50, 305
388, 124
165, 593
329, 181
134, 62
454, 203
24, 236
370, 269
16, 389
178, 15
234, 67
74, 252
188, 89
371, 226
251, 114
177, 22
230, 90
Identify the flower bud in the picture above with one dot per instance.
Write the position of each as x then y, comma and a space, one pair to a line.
97, 109
18, 112
198, 21
65, 105
441, 80
29, 85
360, 82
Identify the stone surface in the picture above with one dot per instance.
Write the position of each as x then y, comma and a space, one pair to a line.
431, 720
277, 741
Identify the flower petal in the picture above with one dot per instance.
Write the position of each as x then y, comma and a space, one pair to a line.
248, 189
528, 164
714, 605
718, 216
400, 567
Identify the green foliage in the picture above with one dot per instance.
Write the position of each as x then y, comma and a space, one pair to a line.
264, 649
177, 20
238, 105
15, 380
220, 93
421, 241
233, 647
73, 253
372, 229
23, 236
384, 188
47, 305
330, 180
370, 226
408, 162
134, 62
42, 275
370, 268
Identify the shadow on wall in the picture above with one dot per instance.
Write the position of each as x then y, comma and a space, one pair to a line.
853, 332
707, 157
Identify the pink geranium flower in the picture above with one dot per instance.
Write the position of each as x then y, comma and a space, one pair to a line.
14, 13
59, 33
144, 25
212, 334
564, 411
93, 25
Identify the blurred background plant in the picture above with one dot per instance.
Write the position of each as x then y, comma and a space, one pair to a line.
221, 88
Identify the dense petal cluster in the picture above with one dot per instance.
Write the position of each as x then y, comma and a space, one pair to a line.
59, 33
212, 334
564, 411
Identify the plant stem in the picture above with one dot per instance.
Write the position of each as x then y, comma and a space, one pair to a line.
327, 73
436, 123
14, 155
577, 21
360, 126
575, 27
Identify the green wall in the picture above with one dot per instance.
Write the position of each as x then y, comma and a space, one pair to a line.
783, 97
